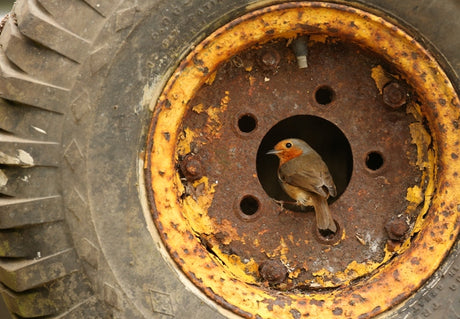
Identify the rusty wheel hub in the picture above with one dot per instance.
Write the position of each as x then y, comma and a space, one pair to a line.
377, 107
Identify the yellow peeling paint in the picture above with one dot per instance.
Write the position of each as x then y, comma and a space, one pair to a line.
415, 109
280, 251
248, 270
426, 159
211, 78
429, 175
199, 108
422, 139
195, 211
380, 77
414, 196
230, 231
422, 193
185, 138
295, 273
354, 270
208, 191
252, 80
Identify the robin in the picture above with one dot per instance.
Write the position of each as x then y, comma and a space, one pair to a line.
305, 177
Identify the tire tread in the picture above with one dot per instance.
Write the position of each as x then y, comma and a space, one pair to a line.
42, 46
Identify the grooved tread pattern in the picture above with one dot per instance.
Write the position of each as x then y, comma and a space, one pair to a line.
41, 50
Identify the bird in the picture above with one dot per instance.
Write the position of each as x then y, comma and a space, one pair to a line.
305, 177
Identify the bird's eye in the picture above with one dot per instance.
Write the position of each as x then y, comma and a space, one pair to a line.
288, 145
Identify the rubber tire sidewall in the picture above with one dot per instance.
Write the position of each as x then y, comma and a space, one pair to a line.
104, 194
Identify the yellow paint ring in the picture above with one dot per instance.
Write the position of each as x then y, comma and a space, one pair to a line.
389, 284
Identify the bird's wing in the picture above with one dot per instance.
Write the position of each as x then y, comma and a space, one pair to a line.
305, 177
329, 183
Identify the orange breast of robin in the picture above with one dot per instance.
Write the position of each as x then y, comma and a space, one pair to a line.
289, 154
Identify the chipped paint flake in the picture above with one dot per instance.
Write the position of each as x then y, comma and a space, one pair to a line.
422, 139
185, 139
380, 77
414, 195
211, 78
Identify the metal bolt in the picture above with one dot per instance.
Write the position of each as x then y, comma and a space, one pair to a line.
394, 95
397, 228
273, 271
271, 59
191, 168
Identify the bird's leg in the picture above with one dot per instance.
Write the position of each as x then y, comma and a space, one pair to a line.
302, 206
282, 203
279, 202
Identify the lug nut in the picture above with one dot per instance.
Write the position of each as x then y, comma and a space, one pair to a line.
273, 271
271, 59
191, 168
394, 95
397, 228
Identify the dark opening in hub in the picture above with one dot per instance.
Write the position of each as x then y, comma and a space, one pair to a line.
374, 161
247, 123
323, 136
249, 205
324, 95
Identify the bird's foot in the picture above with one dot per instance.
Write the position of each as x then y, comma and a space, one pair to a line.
279, 202
282, 203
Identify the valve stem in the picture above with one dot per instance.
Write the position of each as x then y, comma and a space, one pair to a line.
300, 48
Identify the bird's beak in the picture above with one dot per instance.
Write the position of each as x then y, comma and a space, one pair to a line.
273, 152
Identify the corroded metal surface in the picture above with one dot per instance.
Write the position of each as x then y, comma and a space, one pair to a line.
222, 265
237, 162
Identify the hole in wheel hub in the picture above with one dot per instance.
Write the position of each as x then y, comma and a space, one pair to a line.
249, 205
323, 136
324, 95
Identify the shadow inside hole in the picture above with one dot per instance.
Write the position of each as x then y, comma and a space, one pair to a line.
374, 161
247, 123
249, 205
328, 237
324, 95
325, 137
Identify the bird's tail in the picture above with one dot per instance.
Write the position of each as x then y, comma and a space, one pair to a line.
324, 218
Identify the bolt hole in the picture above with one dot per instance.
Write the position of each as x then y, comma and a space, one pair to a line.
324, 95
326, 233
249, 205
374, 161
247, 123
326, 236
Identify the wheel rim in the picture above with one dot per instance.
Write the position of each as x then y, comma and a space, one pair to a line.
179, 221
